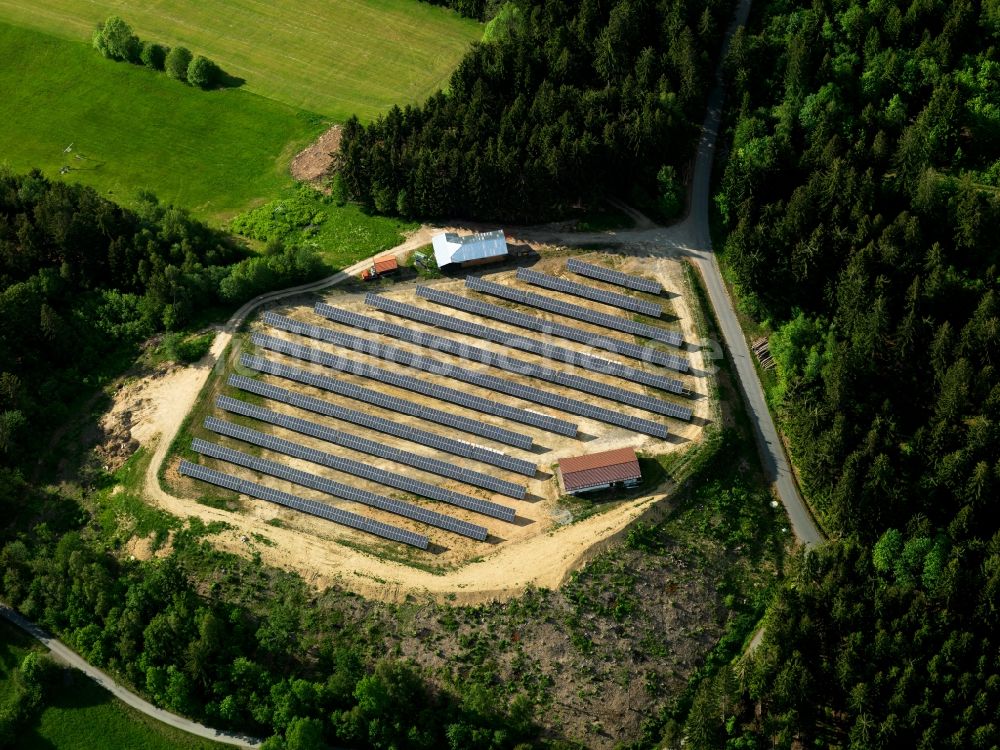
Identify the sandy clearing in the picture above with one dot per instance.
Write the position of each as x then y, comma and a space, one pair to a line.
540, 553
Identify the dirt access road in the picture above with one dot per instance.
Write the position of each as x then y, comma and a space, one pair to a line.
177, 394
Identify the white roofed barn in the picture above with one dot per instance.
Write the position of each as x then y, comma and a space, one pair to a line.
471, 250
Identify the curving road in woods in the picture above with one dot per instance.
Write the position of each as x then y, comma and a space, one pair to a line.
692, 238
694, 234
66, 655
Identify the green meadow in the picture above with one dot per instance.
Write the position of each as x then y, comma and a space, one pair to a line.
335, 58
303, 63
213, 152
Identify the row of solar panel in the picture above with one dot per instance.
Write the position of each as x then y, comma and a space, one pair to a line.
321, 510
530, 322
365, 471
503, 362
613, 277
612, 299
346, 492
406, 382
400, 356
375, 398
568, 310
363, 445
317, 406
544, 349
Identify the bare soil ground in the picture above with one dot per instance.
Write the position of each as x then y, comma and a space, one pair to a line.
599, 676
141, 406
315, 161
541, 549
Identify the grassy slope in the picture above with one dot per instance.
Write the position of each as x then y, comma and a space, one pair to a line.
140, 129
342, 235
80, 715
337, 58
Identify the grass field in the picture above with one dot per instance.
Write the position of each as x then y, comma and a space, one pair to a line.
336, 58
80, 715
342, 235
213, 152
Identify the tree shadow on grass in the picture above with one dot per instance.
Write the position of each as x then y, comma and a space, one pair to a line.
73, 689
70, 690
226, 80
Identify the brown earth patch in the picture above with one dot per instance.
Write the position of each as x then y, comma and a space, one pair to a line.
141, 548
315, 161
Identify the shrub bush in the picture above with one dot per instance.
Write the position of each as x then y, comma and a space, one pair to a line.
177, 63
187, 349
153, 55
202, 72
114, 39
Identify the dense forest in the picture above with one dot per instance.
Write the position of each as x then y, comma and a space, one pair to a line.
83, 281
294, 670
563, 104
861, 196
478, 9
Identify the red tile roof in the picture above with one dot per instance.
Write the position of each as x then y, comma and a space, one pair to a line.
596, 469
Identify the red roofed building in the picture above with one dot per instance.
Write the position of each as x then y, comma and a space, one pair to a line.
600, 471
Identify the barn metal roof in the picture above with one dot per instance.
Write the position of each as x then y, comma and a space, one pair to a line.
593, 470
451, 248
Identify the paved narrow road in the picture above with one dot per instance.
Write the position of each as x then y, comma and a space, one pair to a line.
694, 230
692, 238
68, 656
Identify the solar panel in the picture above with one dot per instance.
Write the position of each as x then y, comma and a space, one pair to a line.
491, 382
311, 507
358, 469
612, 299
403, 406
545, 349
532, 323
566, 309
502, 362
317, 406
613, 277
312, 481
345, 364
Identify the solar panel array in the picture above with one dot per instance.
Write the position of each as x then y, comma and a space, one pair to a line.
317, 406
358, 469
384, 401
311, 507
373, 448
566, 309
612, 299
416, 385
503, 362
601, 273
312, 481
545, 349
508, 387
530, 322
